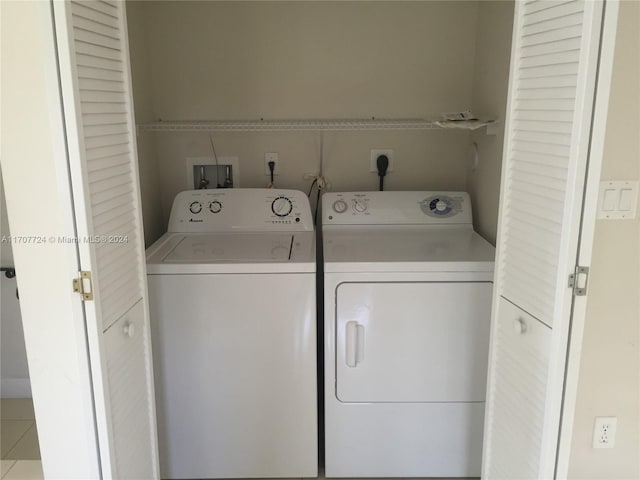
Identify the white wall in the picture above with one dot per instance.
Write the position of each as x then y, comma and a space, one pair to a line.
490, 84
249, 60
609, 382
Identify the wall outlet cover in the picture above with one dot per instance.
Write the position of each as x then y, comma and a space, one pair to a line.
375, 153
271, 157
604, 432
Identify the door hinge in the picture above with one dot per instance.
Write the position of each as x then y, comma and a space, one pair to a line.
83, 285
578, 281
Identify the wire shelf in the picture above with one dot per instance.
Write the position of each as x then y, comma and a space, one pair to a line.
290, 125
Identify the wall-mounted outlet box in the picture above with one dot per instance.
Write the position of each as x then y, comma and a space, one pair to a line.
375, 153
271, 157
224, 172
604, 432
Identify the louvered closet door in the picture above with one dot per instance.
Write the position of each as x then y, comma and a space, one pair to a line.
551, 93
98, 108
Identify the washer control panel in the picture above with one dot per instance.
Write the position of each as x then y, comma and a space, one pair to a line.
358, 203
396, 208
255, 209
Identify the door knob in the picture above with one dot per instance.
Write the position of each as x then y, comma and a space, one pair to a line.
129, 329
519, 326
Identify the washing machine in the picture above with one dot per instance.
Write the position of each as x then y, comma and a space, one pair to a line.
232, 298
407, 300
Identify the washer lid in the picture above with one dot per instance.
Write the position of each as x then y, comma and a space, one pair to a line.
406, 249
256, 252
239, 247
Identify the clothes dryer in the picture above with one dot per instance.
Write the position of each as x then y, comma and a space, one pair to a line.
407, 286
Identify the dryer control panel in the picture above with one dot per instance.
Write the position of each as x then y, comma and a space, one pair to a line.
396, 208
238, 209
441, 206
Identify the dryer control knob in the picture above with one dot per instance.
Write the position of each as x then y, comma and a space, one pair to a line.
281, 206
195, 207
340, 206
360, 205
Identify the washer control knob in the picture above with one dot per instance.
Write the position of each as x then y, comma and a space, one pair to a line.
195, 207
281, 206
360, 205
441, 206
340, 206
215, 206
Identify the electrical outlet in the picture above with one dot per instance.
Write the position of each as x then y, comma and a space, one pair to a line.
604, 432
271, 157
375, 153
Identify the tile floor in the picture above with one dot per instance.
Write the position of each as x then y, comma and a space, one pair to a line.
20, 453
19, 450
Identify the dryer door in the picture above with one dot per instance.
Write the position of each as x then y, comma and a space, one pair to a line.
412, 342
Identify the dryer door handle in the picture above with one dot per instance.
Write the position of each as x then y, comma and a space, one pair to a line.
354, 343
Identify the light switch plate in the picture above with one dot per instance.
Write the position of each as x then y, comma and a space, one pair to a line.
618, 200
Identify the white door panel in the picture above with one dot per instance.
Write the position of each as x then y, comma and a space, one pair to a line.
412, 342
522, 348
100, 133
126, 348
552, 87
552, 83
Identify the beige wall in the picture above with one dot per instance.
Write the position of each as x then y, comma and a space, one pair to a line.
149, 178
425, 160
247, 60
610, 366
490, 84
226, 60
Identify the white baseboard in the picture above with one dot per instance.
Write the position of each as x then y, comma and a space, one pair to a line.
15, 388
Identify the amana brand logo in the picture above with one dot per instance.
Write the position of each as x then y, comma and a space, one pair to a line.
195, 220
